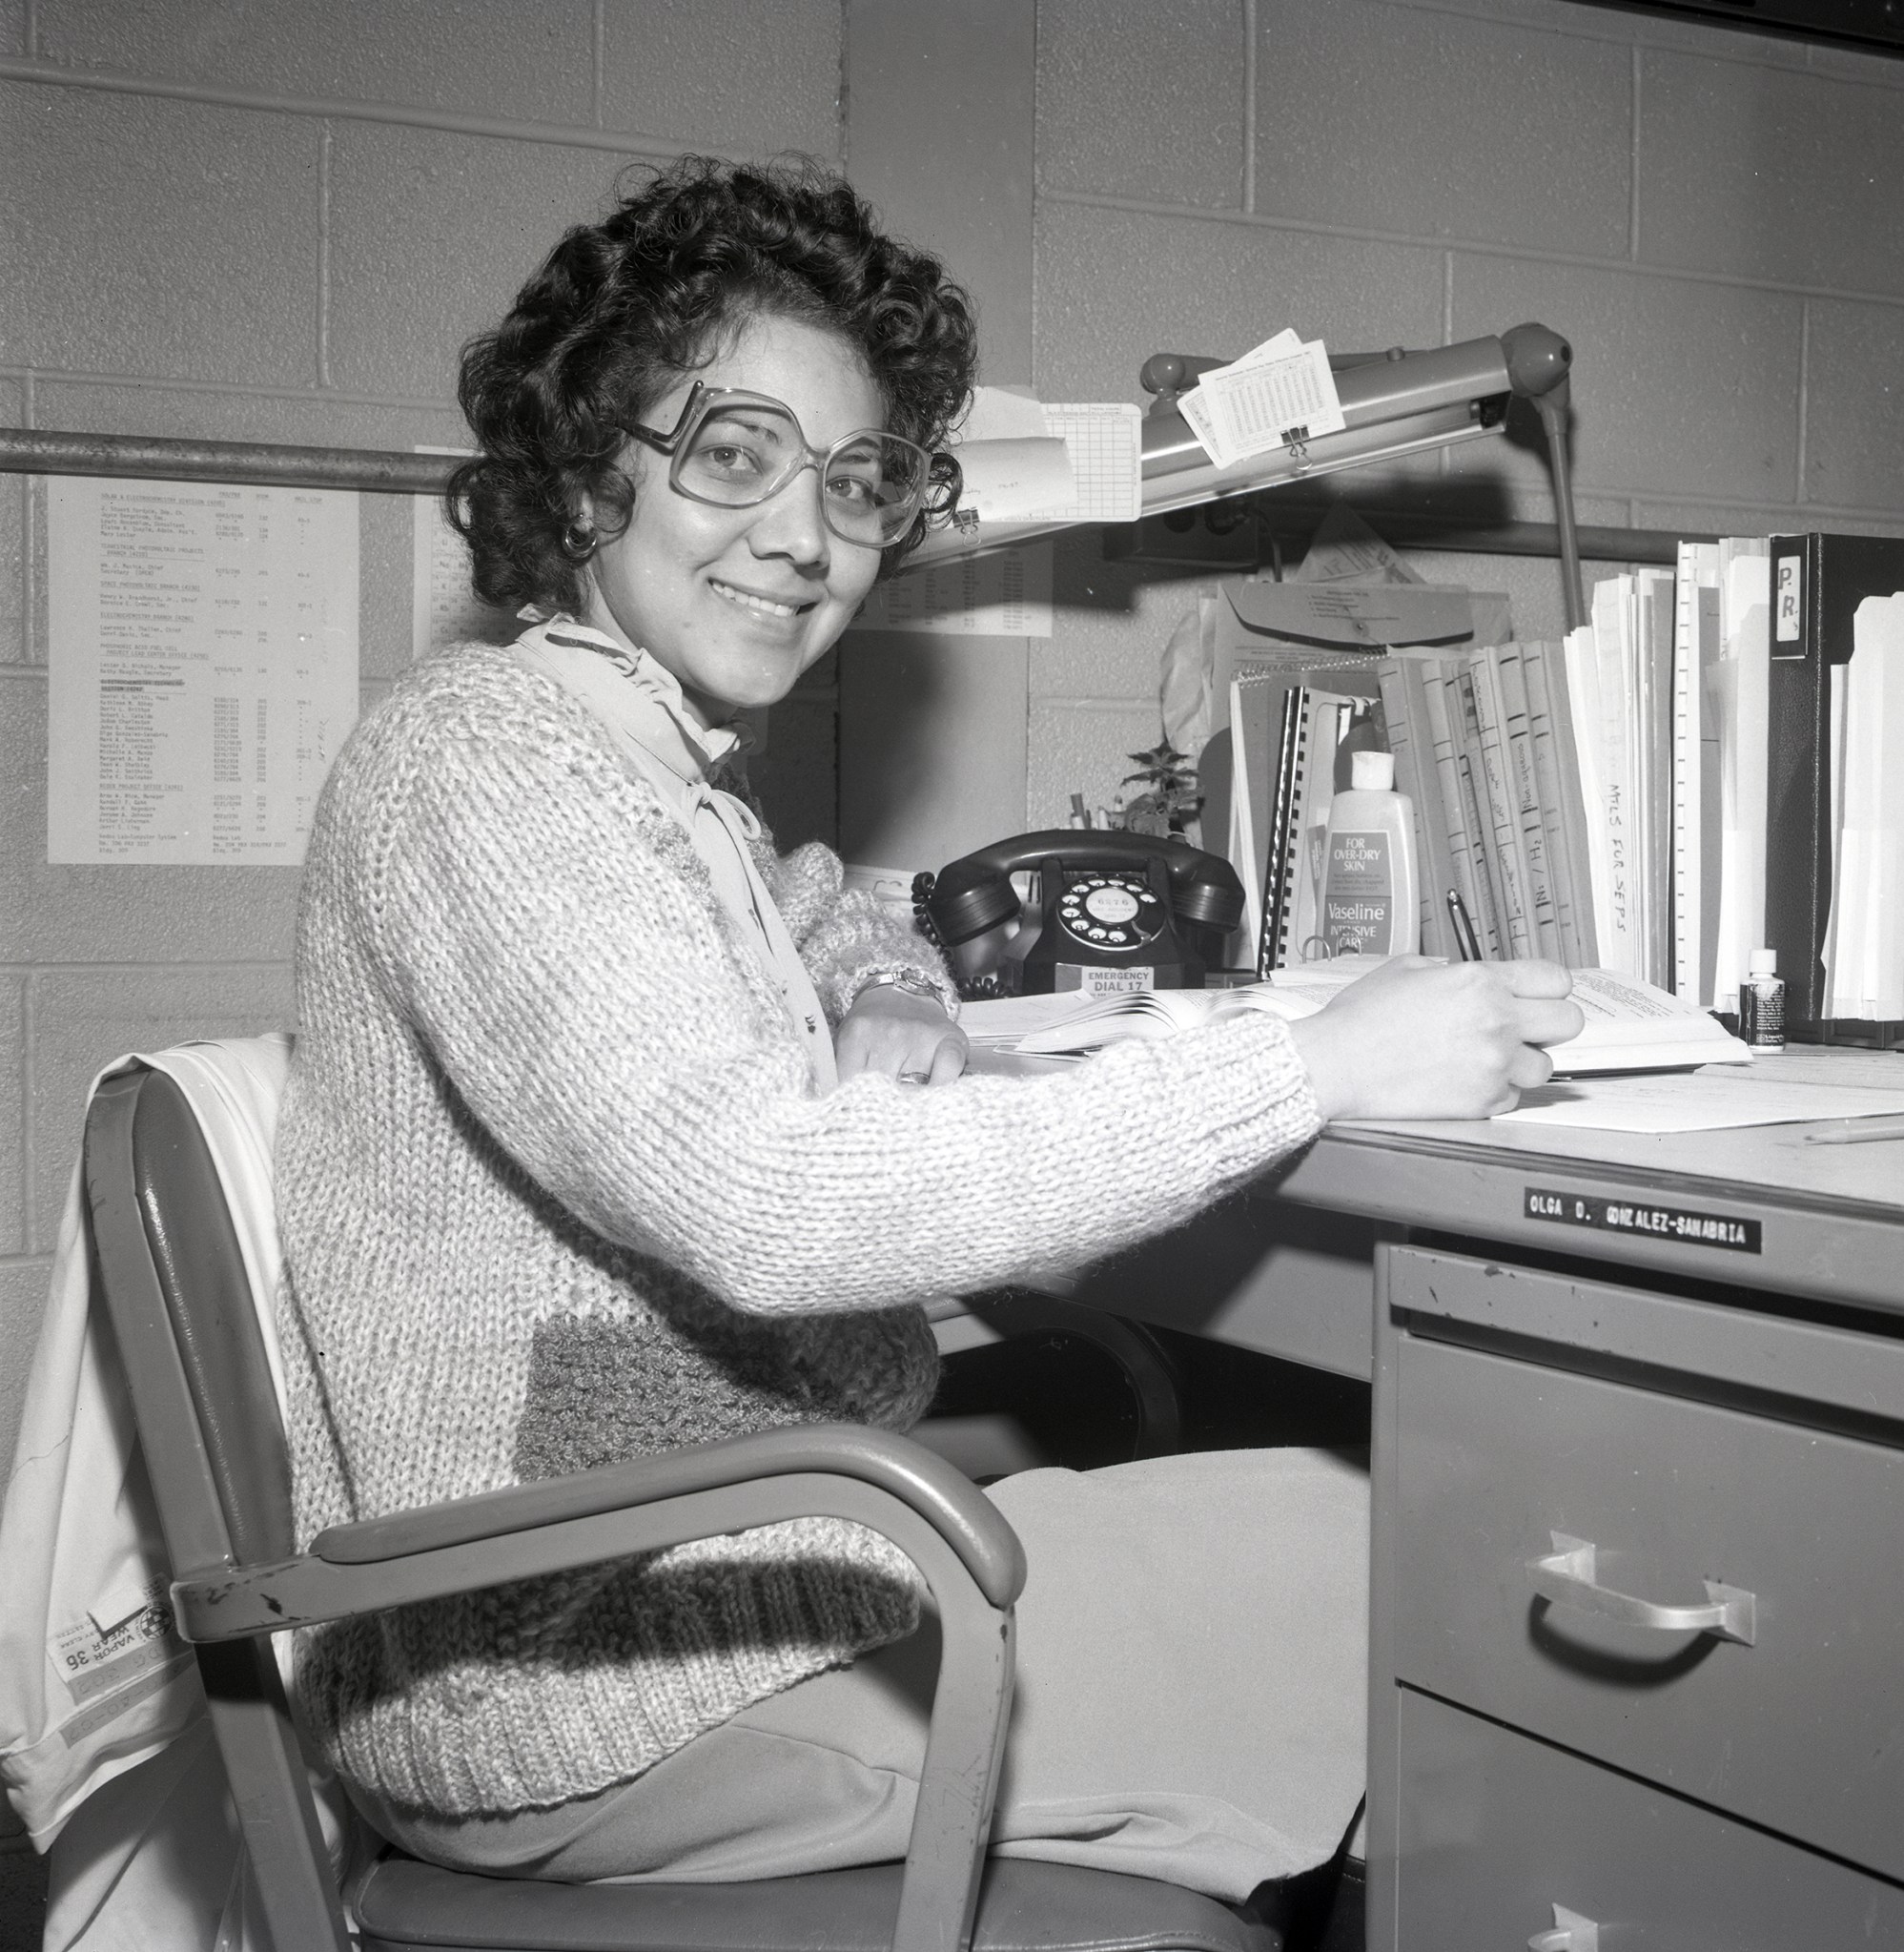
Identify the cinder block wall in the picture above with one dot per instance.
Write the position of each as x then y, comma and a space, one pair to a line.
1712, 217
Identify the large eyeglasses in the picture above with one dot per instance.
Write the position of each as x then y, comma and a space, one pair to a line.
737, 449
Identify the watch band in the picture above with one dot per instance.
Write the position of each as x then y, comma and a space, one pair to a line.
914, 982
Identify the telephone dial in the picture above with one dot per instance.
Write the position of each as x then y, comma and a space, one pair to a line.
1113, 911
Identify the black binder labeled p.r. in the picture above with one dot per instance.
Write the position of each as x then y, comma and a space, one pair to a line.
1817, 582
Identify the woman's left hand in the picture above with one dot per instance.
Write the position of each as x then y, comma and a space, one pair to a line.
905, 1035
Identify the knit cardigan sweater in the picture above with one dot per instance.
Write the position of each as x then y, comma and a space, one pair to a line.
556, 1190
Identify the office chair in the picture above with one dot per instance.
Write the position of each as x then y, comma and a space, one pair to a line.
1030, 1378
169, 1266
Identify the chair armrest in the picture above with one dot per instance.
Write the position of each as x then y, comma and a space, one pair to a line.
937, 1490
970, 1557
844, 1470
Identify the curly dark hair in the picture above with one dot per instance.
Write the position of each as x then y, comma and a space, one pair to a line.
623, 308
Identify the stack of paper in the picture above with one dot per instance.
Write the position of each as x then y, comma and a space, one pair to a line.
1864, 956
1694, 818
1696, 1102
1279, 394
1024, 461
1740, 687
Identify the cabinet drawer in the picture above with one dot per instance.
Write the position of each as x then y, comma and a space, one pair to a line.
1802, 1730
1498, 1829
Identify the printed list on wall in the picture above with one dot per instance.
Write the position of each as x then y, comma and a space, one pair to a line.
443, 609
202, 649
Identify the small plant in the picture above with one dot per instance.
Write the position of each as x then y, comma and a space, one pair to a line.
1170, 796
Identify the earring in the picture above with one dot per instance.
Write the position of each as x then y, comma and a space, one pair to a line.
579, 542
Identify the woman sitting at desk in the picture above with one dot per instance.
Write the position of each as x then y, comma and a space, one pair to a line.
610, 1131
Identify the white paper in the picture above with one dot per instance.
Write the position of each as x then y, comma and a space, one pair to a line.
1243, 838
1183, 686
1693, 1101
1583, 686
1345, 549
1007, 593
1616, 911
1866, 970
1195, 406
1650, 744
1025, 461
1844, 922
1275, 396
1741, 688
203, 668
1105, 441
1631, 1022
1002, 413
1697, 570
1011, 480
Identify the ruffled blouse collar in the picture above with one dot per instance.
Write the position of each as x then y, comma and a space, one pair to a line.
654, 708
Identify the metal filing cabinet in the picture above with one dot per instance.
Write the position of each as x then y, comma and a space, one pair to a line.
1638, 1623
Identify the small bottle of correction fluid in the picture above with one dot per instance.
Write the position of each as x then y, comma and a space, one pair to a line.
1762, 1004
1370, 902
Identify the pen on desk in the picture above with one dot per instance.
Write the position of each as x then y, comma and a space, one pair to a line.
1857, 1132
1465, 941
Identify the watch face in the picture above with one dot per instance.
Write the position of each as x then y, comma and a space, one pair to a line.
1111, 910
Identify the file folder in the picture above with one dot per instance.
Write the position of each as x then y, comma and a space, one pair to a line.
1817, 582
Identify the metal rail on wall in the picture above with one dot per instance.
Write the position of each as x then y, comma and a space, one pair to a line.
28, 450
243, 464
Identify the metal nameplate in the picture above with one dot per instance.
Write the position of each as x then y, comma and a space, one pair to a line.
1645, 1218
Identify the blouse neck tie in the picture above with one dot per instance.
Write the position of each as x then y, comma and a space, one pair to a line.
640, 703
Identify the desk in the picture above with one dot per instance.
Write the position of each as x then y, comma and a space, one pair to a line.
1710, 1389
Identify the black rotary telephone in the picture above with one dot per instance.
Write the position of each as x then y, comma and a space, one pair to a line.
1114, 910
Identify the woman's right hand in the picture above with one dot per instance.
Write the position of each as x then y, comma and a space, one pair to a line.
1420, 1039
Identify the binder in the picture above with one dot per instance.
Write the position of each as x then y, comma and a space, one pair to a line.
1505, 668
1406, 720
1279, 893
1557, 776
1446, 760
1256, 719
1488, 737
1817, 582
1489, 907
1327, 716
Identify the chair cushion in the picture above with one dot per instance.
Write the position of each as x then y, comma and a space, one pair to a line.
403, 1907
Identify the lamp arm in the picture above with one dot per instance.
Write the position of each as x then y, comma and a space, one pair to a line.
1539, 368
1393, 403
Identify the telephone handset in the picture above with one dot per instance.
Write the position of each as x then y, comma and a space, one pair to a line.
1115, 910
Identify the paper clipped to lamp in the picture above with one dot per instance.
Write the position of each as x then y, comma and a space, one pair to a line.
1027, 460
1279, 394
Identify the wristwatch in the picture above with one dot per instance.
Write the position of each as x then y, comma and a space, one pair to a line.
913, 982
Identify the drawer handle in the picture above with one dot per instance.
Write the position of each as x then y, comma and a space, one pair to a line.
1568, 1579
1571, 1933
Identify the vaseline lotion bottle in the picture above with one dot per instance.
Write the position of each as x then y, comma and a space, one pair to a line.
1371, 903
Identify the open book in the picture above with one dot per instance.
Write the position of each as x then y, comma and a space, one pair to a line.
1630, 1025
1070, 1024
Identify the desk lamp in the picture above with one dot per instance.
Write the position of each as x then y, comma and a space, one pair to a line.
1393, 403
